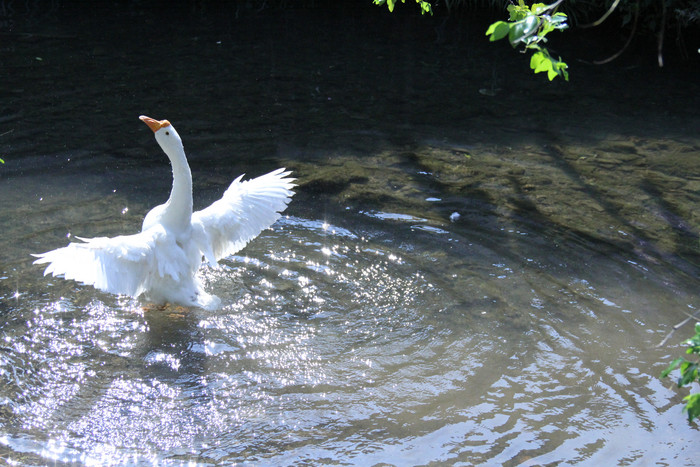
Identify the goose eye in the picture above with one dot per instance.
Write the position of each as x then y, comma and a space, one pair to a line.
167, 133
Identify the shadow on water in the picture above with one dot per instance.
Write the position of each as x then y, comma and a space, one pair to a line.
461, 277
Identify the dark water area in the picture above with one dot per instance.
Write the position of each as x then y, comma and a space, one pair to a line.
286, 82
476, 268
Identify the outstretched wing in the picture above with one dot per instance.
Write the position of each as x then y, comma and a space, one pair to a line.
121, 265
245, 210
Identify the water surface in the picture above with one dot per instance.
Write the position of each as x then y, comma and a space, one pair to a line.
370, 325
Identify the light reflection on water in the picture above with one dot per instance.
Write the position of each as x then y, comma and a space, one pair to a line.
377, 334
367, 345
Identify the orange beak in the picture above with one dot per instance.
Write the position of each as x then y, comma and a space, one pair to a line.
154, 125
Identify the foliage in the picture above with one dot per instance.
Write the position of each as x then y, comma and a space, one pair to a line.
528, 27
424, 6
689, 373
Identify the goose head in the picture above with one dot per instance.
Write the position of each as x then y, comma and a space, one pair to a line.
166, 136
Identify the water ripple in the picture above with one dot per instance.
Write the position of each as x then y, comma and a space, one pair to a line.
341, 346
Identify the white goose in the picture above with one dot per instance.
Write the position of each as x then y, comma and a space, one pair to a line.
162, 260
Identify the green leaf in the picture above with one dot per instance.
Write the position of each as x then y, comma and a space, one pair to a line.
425, 7
522, 29
538, 62
694, 342
558, 18
689, 373
498, 30
563, 69
539, 8
517, 12
674, 364
542, 61
391, 4
692, 406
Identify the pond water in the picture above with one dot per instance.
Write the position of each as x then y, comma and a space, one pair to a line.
460, 278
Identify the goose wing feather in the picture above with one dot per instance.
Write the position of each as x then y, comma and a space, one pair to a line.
126, 264
246, 209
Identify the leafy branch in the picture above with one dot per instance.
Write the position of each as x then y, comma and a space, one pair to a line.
689, 373
424, 6
527, 27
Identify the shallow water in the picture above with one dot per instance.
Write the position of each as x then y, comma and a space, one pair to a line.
366, 327
376, 345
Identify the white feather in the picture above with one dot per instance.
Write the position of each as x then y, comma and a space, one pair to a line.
245, 210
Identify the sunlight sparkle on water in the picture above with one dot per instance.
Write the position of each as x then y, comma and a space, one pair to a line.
160, 357
319, 332
304, 281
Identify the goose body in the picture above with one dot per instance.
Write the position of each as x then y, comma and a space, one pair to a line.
161, 262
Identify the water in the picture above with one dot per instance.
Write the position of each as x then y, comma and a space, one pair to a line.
366, 327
